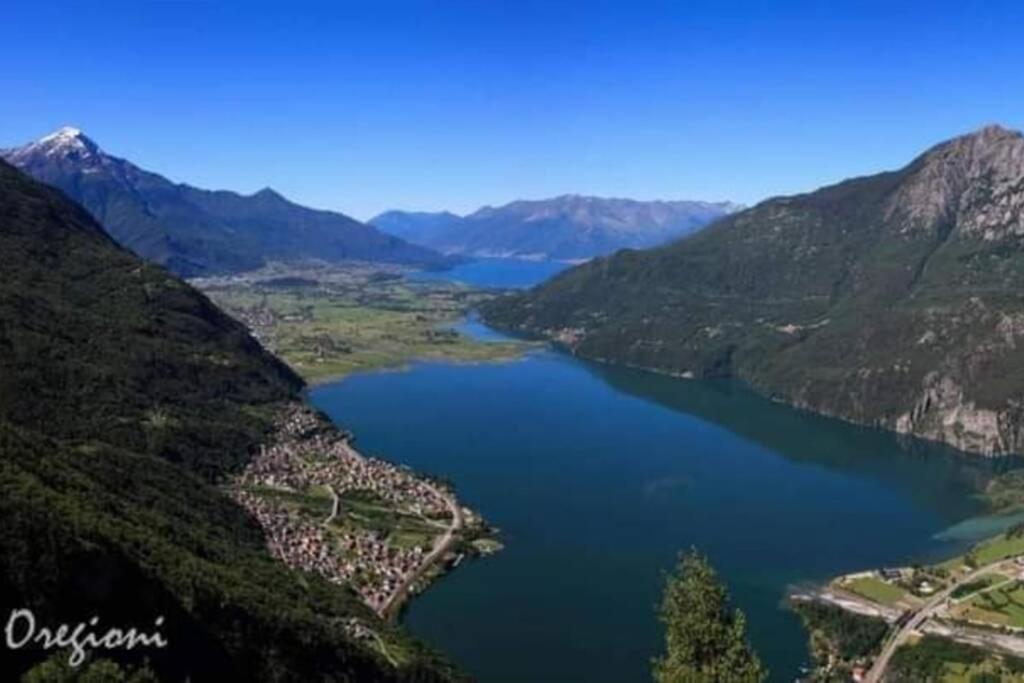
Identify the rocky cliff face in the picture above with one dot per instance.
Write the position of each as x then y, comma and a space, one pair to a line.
974, 184
891, 300
943, 414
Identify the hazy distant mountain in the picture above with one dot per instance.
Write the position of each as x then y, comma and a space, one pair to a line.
194, 231
891, 300
566, 227
418, 227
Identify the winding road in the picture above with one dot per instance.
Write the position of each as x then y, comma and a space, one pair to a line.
441, 546
917, 619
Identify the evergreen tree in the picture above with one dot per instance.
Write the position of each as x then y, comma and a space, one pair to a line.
57, 670
705, 640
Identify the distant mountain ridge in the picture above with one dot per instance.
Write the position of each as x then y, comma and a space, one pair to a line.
568, 227
890, 300
194, 231
418, 227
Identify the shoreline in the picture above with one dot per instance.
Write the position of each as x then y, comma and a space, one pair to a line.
442, 545
407, 365
518, 349
914, 602
347, 543
565, 342
434, 567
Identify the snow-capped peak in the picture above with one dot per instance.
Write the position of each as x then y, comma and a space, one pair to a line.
64, 141
64, 134
67, 145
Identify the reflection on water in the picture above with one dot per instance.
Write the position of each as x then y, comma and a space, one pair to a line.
954, 478
599, 476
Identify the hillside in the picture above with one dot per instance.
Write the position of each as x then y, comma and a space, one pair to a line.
194, 231
567, 227
125, 398
890, 300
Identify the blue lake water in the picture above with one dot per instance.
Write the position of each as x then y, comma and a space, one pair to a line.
498, 273
598, 477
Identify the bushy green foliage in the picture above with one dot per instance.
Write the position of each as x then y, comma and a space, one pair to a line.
705, 639
1005, 493
95, 342
925, 660
986, 677
57, 670
850, 635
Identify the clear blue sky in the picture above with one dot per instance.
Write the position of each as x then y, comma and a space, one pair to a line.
365, 106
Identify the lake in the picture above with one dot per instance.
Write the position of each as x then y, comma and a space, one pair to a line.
597, 477
497, 273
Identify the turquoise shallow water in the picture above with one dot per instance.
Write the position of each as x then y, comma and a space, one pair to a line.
597, 477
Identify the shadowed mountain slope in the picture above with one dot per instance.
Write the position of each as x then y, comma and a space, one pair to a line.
125, 398
194, 231
891, 300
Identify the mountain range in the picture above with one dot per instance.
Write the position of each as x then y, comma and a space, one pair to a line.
892, 300
126, 399
194, 231
569, 227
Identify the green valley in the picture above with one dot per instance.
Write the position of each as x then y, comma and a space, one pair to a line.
328, 321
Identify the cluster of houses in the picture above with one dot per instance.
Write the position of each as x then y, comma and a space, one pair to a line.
256, 318
306, 453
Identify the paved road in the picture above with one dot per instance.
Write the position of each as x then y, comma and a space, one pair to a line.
334, 505
926, 611
441, 546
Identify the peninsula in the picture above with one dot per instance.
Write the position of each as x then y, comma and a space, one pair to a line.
357, 521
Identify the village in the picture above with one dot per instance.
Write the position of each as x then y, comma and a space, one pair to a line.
975, 599
299, 486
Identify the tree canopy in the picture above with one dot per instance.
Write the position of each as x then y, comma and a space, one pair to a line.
705, 638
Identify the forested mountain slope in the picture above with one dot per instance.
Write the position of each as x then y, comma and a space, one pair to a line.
125, 398
892, 300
